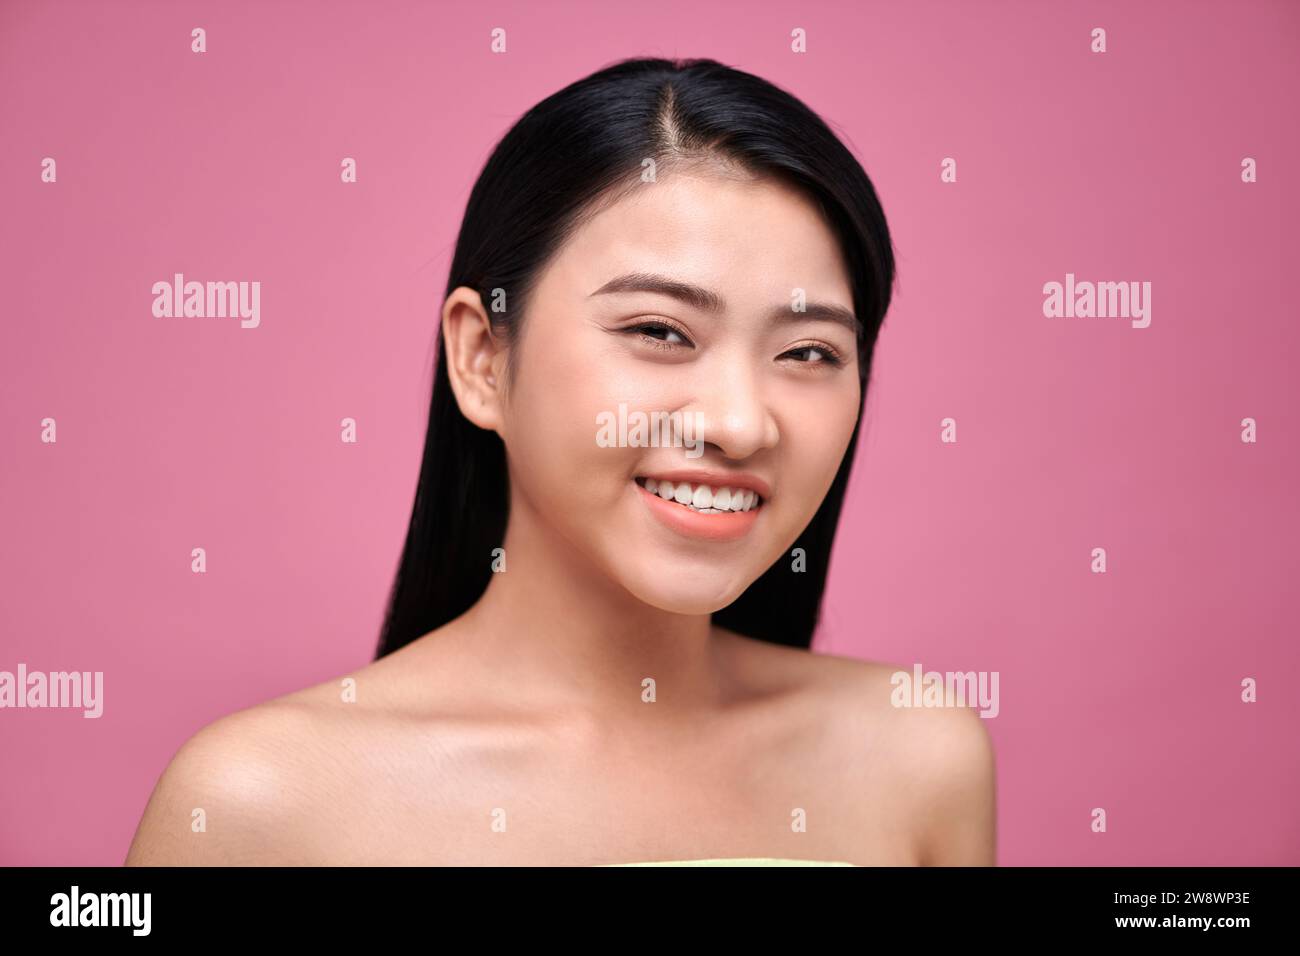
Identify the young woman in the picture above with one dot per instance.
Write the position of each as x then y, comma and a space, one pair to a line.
597, 649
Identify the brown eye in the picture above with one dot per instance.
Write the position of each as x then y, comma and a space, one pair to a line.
817, 355
660, 335
667, 333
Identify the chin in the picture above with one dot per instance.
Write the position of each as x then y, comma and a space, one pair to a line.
686, 596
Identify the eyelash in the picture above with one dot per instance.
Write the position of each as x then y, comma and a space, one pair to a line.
830, 356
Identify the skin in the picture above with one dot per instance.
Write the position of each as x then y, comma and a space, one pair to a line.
529, 708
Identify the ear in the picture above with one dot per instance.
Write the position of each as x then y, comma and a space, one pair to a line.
475, 358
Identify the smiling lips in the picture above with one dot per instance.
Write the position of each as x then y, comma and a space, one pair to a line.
706, 499
714, 512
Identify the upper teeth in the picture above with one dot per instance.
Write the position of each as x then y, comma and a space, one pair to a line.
702, 497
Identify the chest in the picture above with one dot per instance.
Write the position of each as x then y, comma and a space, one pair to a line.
534, 807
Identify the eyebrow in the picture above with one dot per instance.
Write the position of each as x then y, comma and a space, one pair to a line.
706, 300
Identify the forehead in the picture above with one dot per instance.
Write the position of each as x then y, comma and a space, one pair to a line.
754, 240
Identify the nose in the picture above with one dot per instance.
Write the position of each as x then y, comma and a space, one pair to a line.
732, 410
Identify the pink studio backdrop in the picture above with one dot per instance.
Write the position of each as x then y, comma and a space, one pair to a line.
1118, 690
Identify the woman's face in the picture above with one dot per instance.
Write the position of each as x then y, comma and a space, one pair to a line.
763, 405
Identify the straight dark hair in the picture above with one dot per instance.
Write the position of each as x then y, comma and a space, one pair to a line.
577, 149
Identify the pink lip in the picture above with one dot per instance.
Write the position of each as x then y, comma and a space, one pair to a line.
727, 527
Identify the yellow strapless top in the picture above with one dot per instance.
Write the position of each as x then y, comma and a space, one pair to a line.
737, 861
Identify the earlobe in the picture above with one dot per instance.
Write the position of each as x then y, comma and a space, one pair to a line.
471, 350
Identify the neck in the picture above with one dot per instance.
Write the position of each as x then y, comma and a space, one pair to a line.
563, 636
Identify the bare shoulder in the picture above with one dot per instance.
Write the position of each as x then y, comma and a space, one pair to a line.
931, 767
243, 789
940, 760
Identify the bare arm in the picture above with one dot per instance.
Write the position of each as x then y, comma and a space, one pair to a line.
957, 804
222, 799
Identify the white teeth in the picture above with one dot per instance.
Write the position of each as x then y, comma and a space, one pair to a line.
702, 498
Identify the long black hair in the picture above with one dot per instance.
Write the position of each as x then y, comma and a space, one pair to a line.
571, 151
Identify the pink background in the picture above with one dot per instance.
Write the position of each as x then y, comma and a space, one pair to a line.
1118, 690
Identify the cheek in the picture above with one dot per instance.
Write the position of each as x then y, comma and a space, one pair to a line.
551, 425
815, 433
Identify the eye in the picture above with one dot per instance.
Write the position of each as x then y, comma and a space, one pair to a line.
660, 335
817, 355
